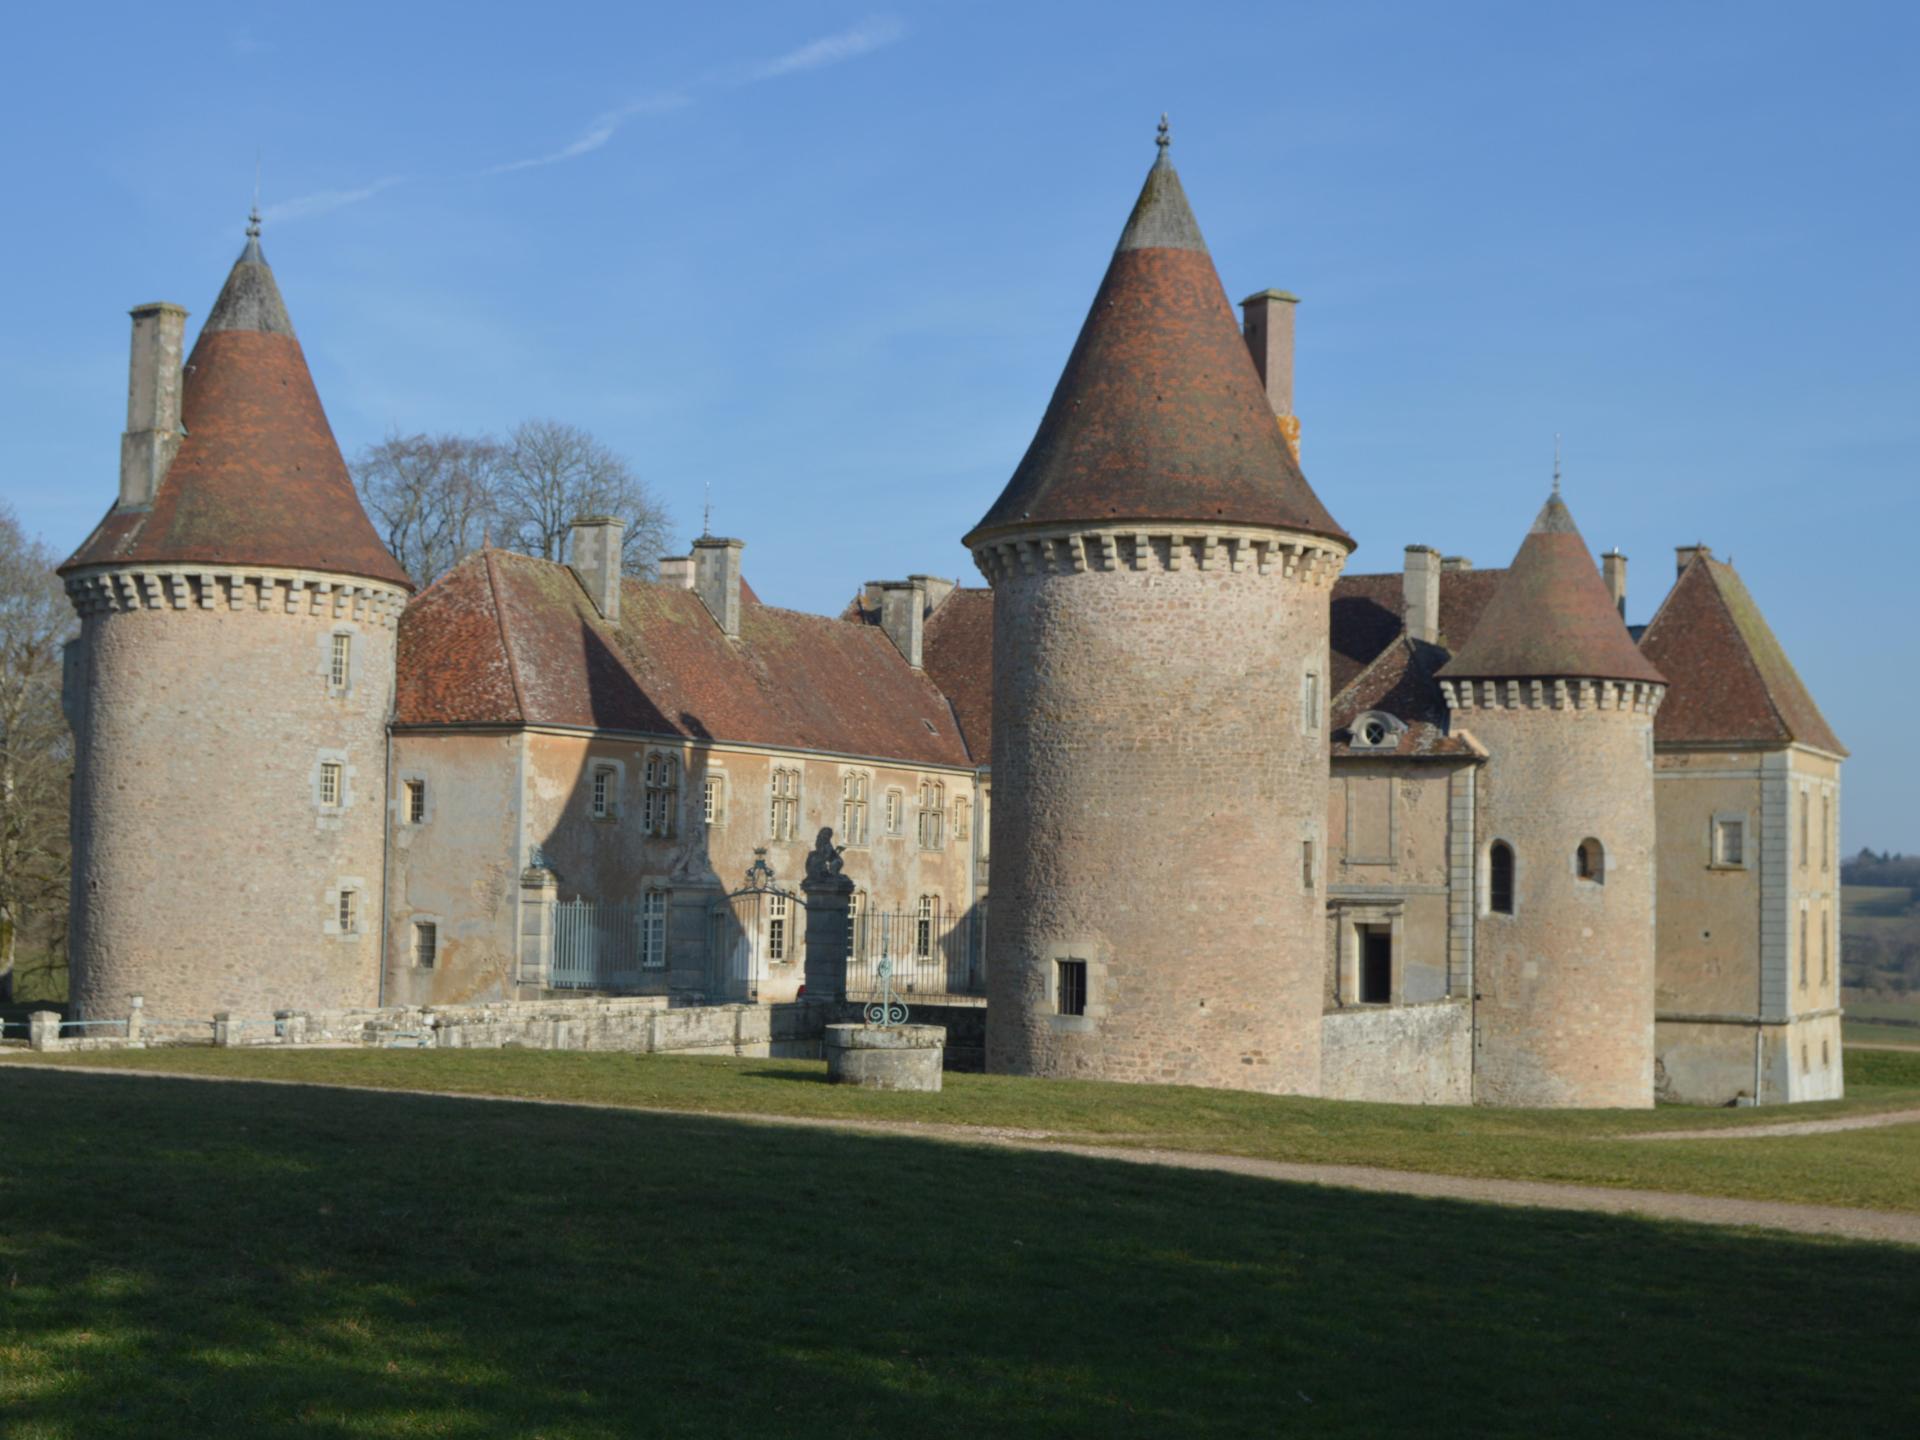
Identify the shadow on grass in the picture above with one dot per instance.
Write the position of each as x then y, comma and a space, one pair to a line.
211, 1259
805, 1077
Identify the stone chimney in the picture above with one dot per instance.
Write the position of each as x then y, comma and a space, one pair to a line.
937, 589
1422, 589
1684, 555
1613, 569
716, 579
153, 401
903, 610
1450, 563
676, 571
1266, 322
593, 554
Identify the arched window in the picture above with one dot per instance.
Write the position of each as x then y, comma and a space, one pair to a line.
1590, 861
1500, 878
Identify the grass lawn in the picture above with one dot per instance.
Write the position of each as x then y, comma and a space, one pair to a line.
1867, 1033
1878, 1169
184, 1259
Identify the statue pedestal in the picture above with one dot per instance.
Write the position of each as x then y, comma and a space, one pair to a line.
886, 1057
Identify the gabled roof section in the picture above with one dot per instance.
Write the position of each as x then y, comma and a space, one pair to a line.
1730, 680
1400, 681
1551, 617
957, 649
1160, 414
797, 681
258, 478
1369, 612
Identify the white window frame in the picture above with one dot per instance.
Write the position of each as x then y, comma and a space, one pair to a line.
333, 784
778, 918
856, 789
926, 919
783, 803
1724, 824
896, 813
660, 797
347, 910
413, 801
602, 790
653, 930
930, 824
713, 797
340, 662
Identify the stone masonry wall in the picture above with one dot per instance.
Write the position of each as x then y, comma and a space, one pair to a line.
1403, 1055
1155, 779
1565, 983
206, 871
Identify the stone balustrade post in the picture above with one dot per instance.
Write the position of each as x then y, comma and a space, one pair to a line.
224, 1030
43, 1029
136, 1018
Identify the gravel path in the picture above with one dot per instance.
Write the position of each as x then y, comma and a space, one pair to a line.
1833, 1220
1785, 1127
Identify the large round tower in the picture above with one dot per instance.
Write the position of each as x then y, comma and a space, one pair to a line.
1555, 689
1161, 572
231, 686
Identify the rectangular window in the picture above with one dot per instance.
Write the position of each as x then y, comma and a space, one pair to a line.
776, 927
784, 813
923, 926
349, 911
426, 943
896, 809
854, 918
1071, 987
853, 808
1826, 832
330, 785
932, 821
1803, 949
602, 791
1730, 842
1826, 949
653, 930
962, 815
662, 795
1306, 865
1310, 702
416, 801
713, 800
1803, 829
340, 662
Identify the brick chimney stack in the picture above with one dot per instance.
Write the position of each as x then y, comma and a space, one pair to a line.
153, 401
1422, 589
593, 554
1685, 555
1266, 323
1613, 569
716, 579
676, 572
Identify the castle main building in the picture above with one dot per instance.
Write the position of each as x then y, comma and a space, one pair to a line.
1185, 798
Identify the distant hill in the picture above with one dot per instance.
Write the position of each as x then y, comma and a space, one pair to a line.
1880, 926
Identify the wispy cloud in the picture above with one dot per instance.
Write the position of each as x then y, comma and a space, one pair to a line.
875, 33
598, 133
321, 201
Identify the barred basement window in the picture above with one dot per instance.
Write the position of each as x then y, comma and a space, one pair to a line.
416, 801
1070, 994
653, 930
853, 807
776, 928
923, 927
330, 784
784, 813
340, 662
602, 791
1500, 878
1590, 861
426, 943
349, 912
662, 797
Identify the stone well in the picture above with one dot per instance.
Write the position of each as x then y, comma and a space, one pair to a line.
886, 1057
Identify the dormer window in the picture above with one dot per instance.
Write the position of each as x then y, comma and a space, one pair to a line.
1375, 730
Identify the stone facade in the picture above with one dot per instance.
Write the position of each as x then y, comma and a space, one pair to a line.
1150, 714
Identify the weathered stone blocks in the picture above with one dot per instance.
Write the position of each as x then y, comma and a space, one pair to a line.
886, 1057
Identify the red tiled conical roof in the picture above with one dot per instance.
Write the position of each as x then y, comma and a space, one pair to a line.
258, 479
1160, 414
1551, 618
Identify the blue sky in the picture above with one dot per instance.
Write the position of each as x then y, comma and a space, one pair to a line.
828, 259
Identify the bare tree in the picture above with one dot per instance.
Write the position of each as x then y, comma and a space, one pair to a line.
433, 497
552, 473
36, 752
436, 497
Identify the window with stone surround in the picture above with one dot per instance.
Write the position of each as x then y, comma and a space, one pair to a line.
426, 943
856, 918
854, 785
416, 801
330, 788
777, 929
1826, 948
348, 913
1803, 947
713, 798
783, 814
602, 794
932, 820
660, 801
924, 921
340, 662
962, 820
1500, 878
1826, 832
896, 811
1804, 803
1590, 861
1310, 702
1730, 842
1306, 865
653, 930
1070, 987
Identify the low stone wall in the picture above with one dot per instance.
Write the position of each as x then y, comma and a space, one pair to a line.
1405, 1055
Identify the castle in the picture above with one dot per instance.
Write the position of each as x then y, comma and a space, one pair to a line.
1446, 834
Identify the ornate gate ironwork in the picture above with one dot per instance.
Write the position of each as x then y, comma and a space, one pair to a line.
759, 924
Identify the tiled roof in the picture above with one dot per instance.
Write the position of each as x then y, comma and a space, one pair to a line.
1399, 681
1552, 617
1160, 414
258, 478
798, 681
958, 651
1729, 679
1368, 613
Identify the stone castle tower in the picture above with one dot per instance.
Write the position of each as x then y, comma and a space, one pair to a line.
1553, 686
1161, 572
230, 689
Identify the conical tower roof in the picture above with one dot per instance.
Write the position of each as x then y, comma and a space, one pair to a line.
1551, 618
258, 478
1160, 414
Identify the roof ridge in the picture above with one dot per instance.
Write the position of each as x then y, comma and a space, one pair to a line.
506, 640
1746, 651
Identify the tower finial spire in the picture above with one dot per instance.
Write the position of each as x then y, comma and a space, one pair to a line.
1165, 137
706, 513
253, 215
1556, 464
